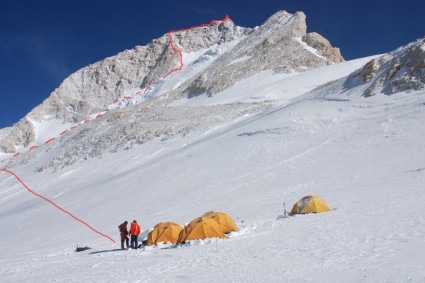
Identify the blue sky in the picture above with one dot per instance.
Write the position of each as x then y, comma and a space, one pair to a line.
43, 42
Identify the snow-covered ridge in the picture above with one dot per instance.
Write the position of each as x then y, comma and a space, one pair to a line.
272, 46
264, 141
364, 157
87, 93
91, 89
193, 62
170, 117
400, 70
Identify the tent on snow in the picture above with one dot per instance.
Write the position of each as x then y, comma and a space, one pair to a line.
309, 204
226, 223
201, 228
164, 232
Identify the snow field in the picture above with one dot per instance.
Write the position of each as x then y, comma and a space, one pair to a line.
364, 157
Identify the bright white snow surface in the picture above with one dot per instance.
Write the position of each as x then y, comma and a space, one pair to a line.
364, 157
193, 63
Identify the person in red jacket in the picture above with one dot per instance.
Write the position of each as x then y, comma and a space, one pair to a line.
123, 233
134, 234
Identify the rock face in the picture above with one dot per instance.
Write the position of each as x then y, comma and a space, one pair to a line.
88, 90
397, 71
91, 88
276, 45
22, 133
281, 45
322, 45
136, 125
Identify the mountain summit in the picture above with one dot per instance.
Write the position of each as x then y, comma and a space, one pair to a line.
228, 54
227, 119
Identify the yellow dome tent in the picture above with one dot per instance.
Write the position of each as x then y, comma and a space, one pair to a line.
309, 204
201, 228
164, 232
226, 223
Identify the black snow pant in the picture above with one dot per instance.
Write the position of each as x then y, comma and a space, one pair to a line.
134, 243
122, 242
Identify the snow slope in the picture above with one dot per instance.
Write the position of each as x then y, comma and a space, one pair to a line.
133, 76
364, 157
194, 63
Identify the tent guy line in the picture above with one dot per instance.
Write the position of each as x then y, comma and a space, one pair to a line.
145, 90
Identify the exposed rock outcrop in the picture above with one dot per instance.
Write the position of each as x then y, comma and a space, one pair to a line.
136, 125
21, 134
88, 90
323, 46
272, 46
397, 71
281, 44
91, 88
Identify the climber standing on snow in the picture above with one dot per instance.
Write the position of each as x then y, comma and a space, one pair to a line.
134, 233
124, 234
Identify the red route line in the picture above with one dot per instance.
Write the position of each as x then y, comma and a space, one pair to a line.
49, 140
55, 205
175, 50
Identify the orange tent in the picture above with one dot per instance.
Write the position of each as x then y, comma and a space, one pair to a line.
167, 232
309, 204
201, 228
225, 221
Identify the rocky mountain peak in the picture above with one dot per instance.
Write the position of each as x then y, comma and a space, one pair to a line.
293, 24
280, 45
193, 40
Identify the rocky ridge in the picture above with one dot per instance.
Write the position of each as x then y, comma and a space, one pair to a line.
132, 126
397, 71
272, 46
88, 90
281, 44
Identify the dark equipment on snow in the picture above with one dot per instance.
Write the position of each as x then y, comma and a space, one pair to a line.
80, 249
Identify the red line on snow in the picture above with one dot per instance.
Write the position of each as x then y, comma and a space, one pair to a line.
55, 205
49, 140
174, 49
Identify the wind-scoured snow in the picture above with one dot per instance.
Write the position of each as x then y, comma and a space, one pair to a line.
364, 157
47, 128
276, 87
